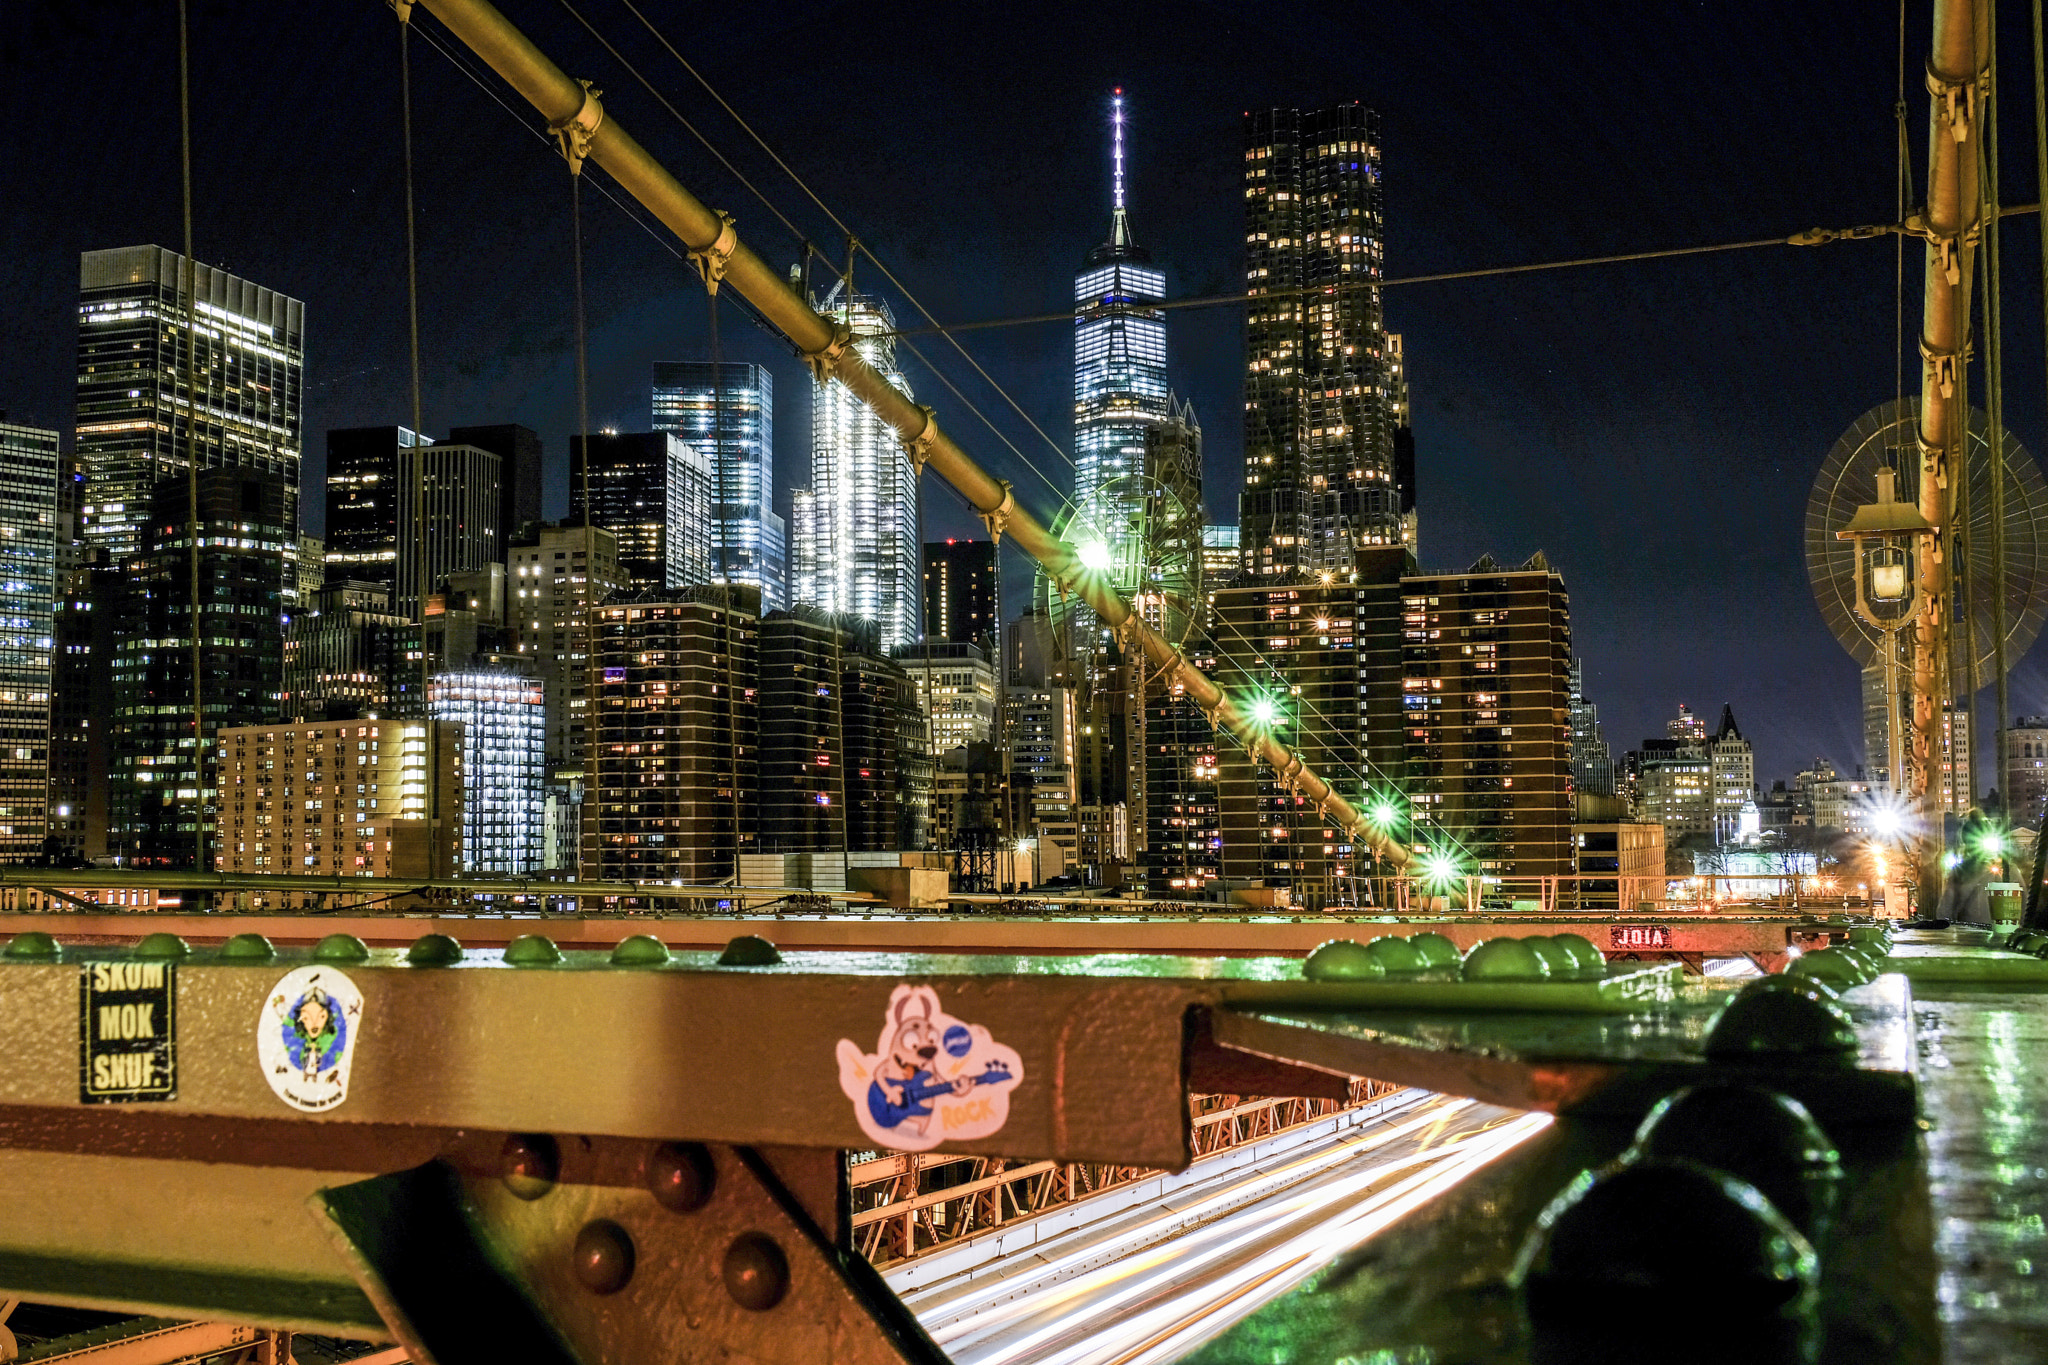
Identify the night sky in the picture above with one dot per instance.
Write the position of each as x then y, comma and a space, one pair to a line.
1653, 427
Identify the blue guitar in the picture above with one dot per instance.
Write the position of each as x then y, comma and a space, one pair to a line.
919, 1088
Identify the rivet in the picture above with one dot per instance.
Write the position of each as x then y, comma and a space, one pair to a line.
749, 950
604, 1257
161, 945
529, 1164
35, 944
640, 950
341, 948
756, 1272
248, 948
434, 950
680, 1176
532, 950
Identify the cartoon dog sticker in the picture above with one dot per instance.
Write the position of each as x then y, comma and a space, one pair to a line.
932, 1078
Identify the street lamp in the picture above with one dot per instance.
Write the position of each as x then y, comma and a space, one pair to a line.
1885, 533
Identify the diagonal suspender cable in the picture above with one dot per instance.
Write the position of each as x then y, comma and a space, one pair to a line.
1994, 402
192, 406
715, 243
412, 307
2033, 917
852, 241
1365, 778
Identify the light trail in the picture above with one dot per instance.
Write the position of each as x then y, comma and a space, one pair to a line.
1149, 1285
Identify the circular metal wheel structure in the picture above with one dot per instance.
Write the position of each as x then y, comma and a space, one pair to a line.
1144, 537
1888, 434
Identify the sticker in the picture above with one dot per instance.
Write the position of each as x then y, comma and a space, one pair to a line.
306, 1036
931, 1078
127, 1032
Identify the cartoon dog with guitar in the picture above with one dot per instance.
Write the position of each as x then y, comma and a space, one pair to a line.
932, 1078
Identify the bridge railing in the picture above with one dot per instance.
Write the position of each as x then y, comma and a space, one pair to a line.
911, 1204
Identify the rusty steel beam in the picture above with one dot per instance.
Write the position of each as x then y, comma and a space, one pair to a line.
587, 129
1758, 936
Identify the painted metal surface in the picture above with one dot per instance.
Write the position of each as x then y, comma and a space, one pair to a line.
1219, 934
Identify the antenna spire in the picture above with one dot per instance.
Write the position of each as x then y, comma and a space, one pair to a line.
1120, 227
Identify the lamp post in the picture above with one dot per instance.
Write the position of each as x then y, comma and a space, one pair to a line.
1885, 534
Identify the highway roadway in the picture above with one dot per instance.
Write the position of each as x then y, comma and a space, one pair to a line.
1149, 1279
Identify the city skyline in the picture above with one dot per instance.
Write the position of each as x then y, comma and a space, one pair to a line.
1450, 214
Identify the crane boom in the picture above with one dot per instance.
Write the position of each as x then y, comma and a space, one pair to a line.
572, 109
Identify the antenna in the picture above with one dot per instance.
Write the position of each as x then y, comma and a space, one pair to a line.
1116, 152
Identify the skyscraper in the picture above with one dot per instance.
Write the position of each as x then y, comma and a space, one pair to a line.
456, 528
727, 410
1483, 674
518, 450
653, 490
963, 592
133, 369
1318, 434
362, 504
1592, 757
1289, 643
375, 477
553, 591
161, 791
1119, 349
673, 752
28, 605
78, 680
855, 529
502, 723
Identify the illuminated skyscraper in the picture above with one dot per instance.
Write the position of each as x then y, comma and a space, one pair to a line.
728, 411
160, 792
1320, 462
28, 602
133, 365
855, 529
1119, 348
503, 735
653, 490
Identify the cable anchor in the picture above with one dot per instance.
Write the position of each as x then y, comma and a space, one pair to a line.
1958, 99
997, 519
919, 447
711, 260
573, 133
825, 359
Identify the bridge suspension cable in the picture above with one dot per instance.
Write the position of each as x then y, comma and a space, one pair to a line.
721, 257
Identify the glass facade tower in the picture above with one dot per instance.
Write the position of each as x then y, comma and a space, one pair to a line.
28, 604
653, 491
1318, 428
1119, 349
855, 529
727, 410
503, 716
134, 411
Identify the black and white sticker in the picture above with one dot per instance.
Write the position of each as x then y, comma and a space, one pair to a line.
127, 1032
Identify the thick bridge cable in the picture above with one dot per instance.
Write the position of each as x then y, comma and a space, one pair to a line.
724, 260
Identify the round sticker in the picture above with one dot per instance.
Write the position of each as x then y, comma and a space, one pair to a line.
306, 1037
958, 1041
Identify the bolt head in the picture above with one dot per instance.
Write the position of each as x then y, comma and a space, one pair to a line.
756, 1272
603, 1257
529, 1164
680, 1176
